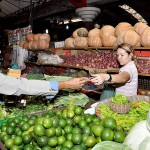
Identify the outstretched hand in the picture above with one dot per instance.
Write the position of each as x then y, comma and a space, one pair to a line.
98, 79
76, 83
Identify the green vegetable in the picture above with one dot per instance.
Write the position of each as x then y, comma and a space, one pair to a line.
120, 99
110, 145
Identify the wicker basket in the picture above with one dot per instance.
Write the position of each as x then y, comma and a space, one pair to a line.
120, 108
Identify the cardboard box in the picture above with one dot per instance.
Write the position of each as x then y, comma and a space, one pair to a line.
14, 73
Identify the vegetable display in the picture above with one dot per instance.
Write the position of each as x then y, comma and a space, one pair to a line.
119, 99
138, 112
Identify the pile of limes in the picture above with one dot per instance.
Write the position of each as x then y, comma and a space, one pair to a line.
68, 129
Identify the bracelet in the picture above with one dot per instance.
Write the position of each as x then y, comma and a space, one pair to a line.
110, 78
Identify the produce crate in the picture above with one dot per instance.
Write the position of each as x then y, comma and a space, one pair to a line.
144, 82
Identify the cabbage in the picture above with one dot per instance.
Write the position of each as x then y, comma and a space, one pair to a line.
145, 145
138, 134
110, 145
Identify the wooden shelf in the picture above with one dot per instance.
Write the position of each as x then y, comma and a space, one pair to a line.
115, 70
104, 48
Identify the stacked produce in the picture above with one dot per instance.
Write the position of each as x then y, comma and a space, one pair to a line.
109, 36
103, 60
36, 41
56, 129
100, 60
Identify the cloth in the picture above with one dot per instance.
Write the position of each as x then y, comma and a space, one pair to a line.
17, 86
130, 88
54, 85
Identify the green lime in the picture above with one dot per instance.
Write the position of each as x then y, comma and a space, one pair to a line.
17, 140
27, 138
25, 126
50, 132
90, 141
62, 123
68, 144
28, 147
15, 147
10, 130
110, 123
76, 138
78, 110
47, 122
53, 141
5, 137
119, 136
61, 140
9, 143
39, 130
68, 129
58, 131
97, 129
42, 141
107, 134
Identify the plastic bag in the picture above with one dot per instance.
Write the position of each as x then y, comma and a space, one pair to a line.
110, 145
107, 92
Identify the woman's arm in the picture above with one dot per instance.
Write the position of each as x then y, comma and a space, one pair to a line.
116, 78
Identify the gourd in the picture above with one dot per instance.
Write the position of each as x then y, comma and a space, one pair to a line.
74, 34
44, 36
35, 45
123, 27
94, 41
30, 44
43, 44
109, 41
81, 42
130, 37
82, 32
145, 38
22, 43
26, 45
140, 27
108, 30
95, 32
30, 37
37, 36
69, 42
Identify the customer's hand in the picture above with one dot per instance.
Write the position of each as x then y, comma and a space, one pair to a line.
76, 83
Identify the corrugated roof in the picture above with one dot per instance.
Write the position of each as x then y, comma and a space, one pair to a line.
8, 7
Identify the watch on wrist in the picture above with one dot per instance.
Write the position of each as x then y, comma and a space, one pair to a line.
110, 78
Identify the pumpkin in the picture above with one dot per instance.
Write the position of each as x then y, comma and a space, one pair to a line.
22, 43
145, 37
123, 27
81, 42
30, 44
26, 45
109, 41
30, 37
43, 44
82, 32
108, 30
35, 45
94, 41
95, 32
74, 34
140, 27
69, 42
37, 36
131, 37
45, 36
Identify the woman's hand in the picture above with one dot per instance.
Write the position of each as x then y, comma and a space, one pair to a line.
98, 78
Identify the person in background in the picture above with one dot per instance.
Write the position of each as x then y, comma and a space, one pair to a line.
126, 82
17, 86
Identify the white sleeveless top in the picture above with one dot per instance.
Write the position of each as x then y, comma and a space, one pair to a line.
129, 88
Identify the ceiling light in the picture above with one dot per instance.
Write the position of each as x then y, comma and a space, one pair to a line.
133, 13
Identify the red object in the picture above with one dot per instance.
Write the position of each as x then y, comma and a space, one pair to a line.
78, 3
142, 53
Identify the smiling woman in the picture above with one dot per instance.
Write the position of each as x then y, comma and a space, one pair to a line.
126, 81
